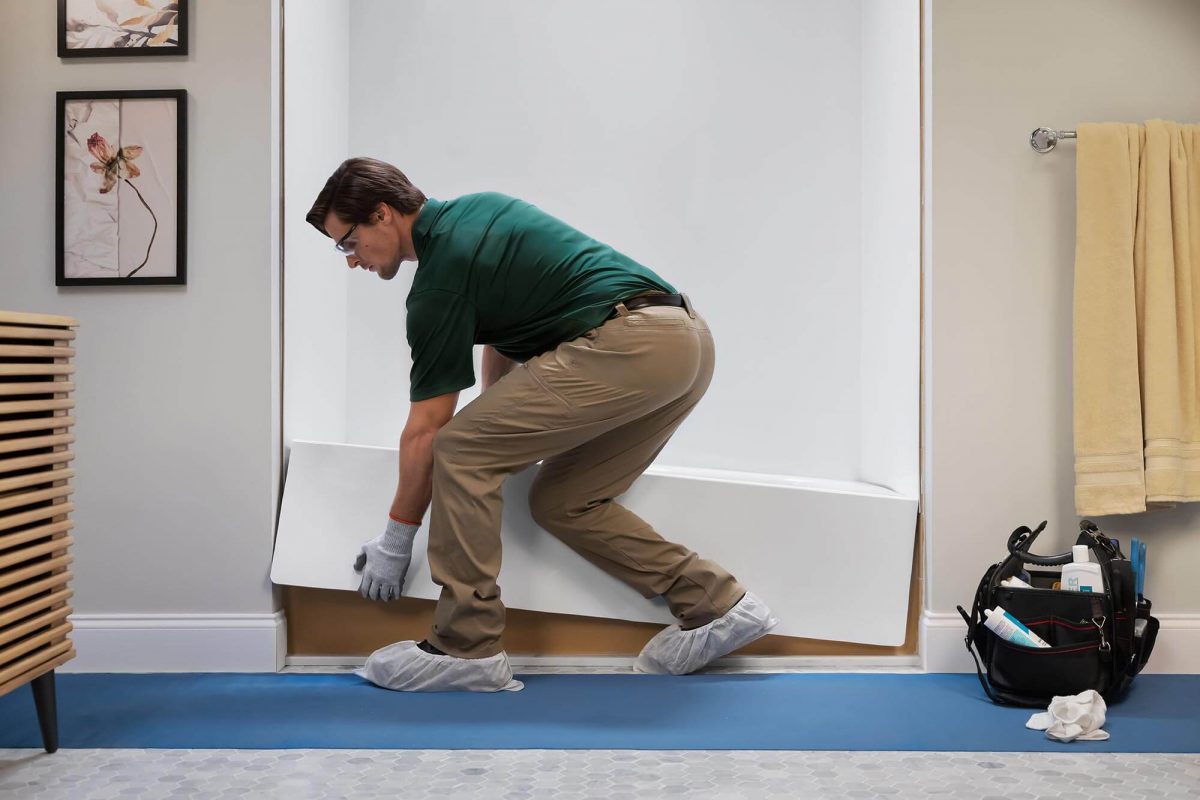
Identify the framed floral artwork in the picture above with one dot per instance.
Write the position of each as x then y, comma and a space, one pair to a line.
90, 28
122, 187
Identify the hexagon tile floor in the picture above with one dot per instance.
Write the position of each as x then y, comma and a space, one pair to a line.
600, 774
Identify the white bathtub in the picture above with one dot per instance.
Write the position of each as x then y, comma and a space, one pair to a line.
831, 558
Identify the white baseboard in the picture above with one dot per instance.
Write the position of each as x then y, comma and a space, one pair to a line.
258, 643
625, 663
1176, 650
178, 643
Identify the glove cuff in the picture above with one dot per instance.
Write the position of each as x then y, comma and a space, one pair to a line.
399, 535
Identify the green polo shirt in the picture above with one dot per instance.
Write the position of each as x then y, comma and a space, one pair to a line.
492, 269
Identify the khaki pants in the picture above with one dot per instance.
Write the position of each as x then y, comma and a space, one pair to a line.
596, 410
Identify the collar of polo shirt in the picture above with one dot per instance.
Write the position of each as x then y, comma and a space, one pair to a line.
424, 220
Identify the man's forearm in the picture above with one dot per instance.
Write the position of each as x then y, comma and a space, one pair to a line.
415, 489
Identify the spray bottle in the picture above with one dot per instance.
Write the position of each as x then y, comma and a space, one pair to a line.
1082, 574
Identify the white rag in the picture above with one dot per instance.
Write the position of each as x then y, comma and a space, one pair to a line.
1071, 717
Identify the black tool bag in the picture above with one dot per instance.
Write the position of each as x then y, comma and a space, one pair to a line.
1091, 634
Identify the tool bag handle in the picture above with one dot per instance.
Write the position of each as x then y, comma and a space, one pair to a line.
972, 622
1021, 539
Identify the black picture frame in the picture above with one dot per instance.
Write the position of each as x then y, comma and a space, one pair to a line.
181, 8
179, 96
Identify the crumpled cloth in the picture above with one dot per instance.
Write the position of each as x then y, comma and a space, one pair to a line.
404, 667
1071, 717
674, 651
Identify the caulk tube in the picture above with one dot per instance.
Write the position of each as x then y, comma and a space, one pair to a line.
1010, 629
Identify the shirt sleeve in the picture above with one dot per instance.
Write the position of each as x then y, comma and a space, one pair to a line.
441, 336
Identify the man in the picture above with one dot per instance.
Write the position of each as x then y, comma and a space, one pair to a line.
591, 361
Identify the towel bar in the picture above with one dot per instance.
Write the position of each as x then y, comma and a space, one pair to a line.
1044, 139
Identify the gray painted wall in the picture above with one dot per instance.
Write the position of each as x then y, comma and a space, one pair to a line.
1002, 270
175, 453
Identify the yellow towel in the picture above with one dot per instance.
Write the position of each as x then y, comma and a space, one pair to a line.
1137, 306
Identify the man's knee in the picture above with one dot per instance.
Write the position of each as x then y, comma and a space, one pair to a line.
447, 442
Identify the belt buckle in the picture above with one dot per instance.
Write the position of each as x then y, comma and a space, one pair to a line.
620, 309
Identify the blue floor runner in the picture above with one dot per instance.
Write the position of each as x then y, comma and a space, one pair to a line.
643, 712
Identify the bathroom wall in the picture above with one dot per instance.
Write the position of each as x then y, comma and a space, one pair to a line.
317, 121
999, 271
174, 455
719, 145
890, 242
177, 386
764, 157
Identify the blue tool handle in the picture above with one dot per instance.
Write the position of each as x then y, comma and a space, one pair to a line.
1142, 570
1135, 557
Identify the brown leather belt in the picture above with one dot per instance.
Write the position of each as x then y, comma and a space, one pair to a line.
650, 300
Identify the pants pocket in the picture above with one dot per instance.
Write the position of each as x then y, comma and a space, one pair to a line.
655, 322
531, 368
658, 317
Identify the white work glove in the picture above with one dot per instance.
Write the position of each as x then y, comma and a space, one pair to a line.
1070, 717
384, 560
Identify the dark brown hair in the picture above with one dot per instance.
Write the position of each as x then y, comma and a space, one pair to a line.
357, 187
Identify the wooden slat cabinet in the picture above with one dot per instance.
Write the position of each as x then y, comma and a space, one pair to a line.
36, 419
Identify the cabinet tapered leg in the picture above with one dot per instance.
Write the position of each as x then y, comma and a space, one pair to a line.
47, 709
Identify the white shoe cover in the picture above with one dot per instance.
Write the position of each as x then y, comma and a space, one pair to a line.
674, 651
405, 667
